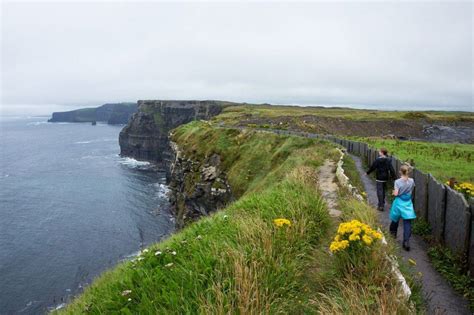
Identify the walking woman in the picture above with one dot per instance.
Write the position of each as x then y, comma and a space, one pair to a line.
402, 206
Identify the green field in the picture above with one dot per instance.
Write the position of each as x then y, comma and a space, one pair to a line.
237, 260
234, 114
442, 160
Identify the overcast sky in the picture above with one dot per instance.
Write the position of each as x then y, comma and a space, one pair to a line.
403, 55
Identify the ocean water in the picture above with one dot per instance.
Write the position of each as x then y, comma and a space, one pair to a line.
70, 207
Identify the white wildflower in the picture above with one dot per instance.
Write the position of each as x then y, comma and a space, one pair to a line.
199, 237
169, 265
173, 253
126, 292
157, 253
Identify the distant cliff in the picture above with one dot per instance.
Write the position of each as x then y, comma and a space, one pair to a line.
145, 137
118, 113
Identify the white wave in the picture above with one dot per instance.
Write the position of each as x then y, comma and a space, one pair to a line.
131, 256
58, 307
86, 157
162, 191
36, 123
95, 141
134, 163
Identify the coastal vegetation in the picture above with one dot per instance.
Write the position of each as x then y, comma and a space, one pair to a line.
268, 252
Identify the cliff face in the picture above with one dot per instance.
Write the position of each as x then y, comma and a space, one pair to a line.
118, 113
145, 137
198, 188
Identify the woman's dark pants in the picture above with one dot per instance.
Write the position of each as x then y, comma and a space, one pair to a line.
381, 188
406, 229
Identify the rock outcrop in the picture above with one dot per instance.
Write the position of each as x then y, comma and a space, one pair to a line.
145, 137
198, 188
118, 113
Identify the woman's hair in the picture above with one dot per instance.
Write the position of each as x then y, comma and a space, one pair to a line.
405, 169
384, 151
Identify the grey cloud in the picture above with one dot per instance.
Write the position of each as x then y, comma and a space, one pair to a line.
387, 55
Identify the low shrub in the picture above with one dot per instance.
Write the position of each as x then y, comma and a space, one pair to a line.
421, 227
454, 269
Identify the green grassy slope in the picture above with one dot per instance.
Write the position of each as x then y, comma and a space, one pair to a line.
237, 260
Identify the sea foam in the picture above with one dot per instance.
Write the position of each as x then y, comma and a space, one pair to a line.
134, 163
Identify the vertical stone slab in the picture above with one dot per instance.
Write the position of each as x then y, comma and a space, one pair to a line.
421, 194
394, 164
436, 207
374, 154
471, 247
457, 222
356, 148
364, 150
369, 156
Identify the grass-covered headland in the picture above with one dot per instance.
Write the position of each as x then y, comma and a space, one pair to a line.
239, 260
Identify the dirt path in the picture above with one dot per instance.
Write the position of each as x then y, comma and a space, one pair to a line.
328, 187
439, 296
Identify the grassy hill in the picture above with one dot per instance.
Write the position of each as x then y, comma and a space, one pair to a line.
238, 260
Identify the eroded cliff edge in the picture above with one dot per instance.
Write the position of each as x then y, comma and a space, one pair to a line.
145, 137
198, 186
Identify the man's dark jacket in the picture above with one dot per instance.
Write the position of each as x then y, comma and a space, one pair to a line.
383, 169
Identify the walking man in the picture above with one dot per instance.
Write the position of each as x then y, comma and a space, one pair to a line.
383, 172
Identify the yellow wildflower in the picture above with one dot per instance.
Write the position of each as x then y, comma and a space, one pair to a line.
353, 231
281, 222
367, 239
354, 237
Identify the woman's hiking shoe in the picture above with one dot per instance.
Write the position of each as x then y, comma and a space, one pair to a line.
406, 246
380, 208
